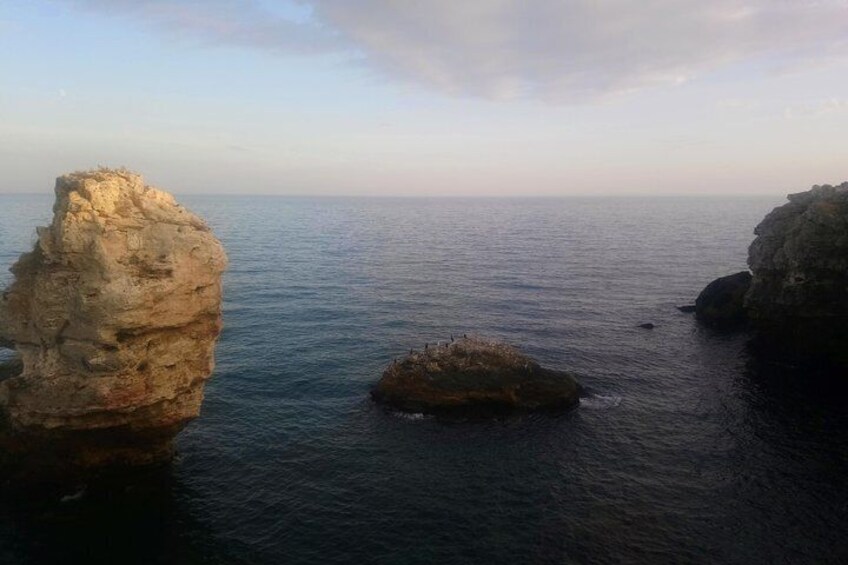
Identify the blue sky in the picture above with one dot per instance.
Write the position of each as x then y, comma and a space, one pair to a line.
386, 97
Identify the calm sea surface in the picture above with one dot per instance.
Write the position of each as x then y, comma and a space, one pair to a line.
684, 449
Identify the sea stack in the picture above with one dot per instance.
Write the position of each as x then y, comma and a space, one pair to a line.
474, 377
798, 299
114, 316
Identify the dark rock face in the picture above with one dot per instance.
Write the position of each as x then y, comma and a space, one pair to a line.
799, 293
11, 368
721, 303
472, 376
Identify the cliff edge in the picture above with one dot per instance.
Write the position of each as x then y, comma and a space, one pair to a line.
796, 295
799, 261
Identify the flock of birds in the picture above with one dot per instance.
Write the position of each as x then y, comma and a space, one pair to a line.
437, 345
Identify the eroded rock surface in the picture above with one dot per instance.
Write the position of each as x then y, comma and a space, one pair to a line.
115, 315
473, 376
799, 260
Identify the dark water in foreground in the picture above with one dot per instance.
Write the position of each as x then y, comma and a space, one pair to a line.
683, 451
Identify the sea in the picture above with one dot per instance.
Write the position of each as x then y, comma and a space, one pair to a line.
686, 448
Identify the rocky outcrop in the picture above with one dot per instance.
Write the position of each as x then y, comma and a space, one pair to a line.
114, 316
798, 298
721, 303
473, 376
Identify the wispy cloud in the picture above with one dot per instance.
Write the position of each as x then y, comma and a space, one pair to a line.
559, 51
816, 109
244, 23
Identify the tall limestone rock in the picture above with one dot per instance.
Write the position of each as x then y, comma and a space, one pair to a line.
115, 315
798, 298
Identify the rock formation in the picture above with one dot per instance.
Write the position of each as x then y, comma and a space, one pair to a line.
799, 292
721, 303
797, 295
114, 315
473, 376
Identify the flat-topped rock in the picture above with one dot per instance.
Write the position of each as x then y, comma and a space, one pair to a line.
114, 316
473, 376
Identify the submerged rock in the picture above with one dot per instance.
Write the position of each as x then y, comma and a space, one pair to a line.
114, 315
721, 303
798, 299
473, 376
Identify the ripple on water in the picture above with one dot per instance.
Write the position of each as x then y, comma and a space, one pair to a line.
681, 450
600, 401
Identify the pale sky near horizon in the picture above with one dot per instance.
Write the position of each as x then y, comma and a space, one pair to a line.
392, 97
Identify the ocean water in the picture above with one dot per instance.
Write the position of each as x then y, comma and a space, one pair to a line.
684, 449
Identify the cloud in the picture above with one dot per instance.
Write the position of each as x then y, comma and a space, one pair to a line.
816, 109
558, 51
242, 23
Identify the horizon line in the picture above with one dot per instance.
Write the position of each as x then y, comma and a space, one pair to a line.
448, 196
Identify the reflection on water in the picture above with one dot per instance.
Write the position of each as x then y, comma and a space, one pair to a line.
136, 518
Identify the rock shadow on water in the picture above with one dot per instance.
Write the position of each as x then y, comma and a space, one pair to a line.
795, 459
139, 516
792, 385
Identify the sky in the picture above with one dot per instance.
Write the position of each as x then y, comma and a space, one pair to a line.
428, 98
